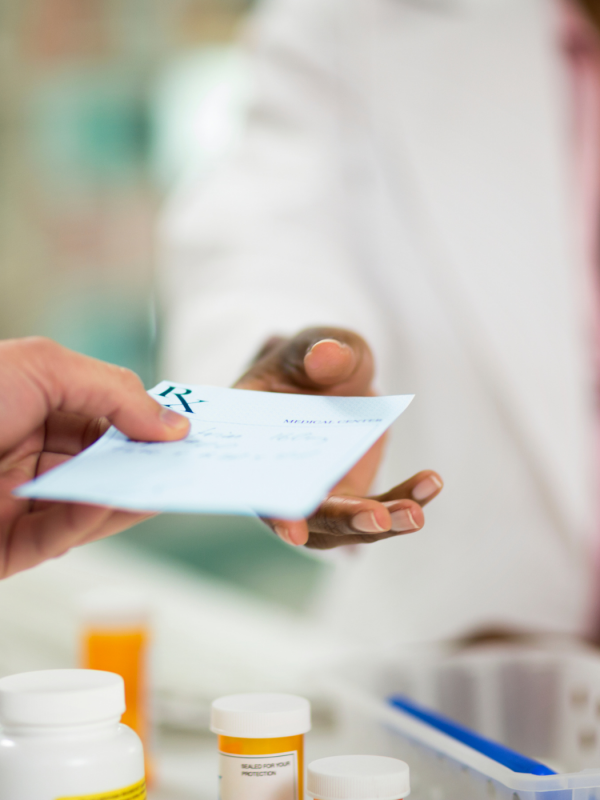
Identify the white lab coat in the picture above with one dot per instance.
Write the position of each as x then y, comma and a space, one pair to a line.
407, 173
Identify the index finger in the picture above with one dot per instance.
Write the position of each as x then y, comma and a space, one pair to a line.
45, 377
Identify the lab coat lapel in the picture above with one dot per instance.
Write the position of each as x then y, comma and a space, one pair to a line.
472, 116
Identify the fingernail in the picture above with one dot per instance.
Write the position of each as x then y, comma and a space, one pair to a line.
328, 341
298, 540
402, 520
282, 532
426, 488
172, 419
365, 522
342, 345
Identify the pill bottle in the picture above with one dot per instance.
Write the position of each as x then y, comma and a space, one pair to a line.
358, 778
261, 745
61, 738
115, 636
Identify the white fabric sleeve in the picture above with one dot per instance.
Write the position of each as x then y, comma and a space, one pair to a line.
263, 247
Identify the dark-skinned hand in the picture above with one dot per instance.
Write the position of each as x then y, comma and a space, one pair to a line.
333, 361
53, 404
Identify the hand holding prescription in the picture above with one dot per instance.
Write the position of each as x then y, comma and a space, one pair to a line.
53, 404
275, 455
332, 361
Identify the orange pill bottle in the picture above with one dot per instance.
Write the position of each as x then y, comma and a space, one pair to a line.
358, 778
115, 637
261, 745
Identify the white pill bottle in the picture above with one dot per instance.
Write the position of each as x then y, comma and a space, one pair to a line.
61, 738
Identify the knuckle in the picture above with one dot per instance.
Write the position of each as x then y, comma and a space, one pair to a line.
130, 378
328, 526
39, 344
331, 526
38, 353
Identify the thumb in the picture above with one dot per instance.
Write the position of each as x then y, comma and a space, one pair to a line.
327, 360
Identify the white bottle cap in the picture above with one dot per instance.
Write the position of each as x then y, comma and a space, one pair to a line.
61, 697
260, 716
358, 778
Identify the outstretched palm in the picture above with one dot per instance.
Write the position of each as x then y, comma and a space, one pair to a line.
332, 361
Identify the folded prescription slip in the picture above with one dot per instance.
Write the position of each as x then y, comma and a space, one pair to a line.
275, 455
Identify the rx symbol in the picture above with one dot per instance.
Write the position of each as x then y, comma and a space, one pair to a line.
180, 395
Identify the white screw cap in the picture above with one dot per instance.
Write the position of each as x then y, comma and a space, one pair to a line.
260, 716
61, 697
358, 778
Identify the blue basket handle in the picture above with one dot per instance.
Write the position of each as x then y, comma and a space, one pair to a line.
503, 755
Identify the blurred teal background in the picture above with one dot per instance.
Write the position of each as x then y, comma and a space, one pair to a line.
104, 104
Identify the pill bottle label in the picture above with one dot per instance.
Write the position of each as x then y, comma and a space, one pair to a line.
264, 777
135, 792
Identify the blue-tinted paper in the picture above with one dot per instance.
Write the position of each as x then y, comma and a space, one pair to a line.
276, 455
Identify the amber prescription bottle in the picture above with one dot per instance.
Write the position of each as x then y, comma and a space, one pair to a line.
115, 636
358, 778
261, 745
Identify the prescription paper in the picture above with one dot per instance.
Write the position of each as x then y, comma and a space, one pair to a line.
276, 455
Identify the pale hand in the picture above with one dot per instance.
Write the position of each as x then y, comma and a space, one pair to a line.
53, 404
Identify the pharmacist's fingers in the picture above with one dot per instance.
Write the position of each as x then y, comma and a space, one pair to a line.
345, 519
350, 520
355, 520
342, 520
422, 487
322, 360
294, 532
